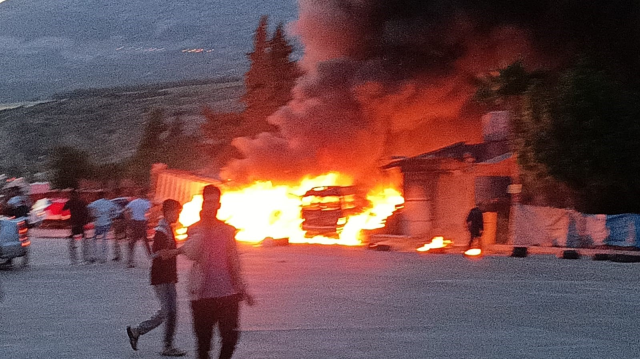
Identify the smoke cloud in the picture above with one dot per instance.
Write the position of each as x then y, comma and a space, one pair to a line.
394, 78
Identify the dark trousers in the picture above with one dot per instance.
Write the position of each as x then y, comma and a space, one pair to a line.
138, 232
475, 235
209, 312
119, 234
166, 293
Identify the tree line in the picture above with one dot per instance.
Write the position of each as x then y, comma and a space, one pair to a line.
575, 134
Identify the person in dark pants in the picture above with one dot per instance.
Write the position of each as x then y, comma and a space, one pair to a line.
119, 225
137, 211
215, 281
78, 219
164, 277
475, 225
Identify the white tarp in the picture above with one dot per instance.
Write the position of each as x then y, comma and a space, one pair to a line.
546, 226
540, 226
596, 228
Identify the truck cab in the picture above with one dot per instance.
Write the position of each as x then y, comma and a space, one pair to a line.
325, 210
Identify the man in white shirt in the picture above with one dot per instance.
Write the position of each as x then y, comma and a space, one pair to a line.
137, 212
103, 212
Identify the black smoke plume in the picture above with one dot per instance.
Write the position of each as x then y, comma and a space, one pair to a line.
386, 78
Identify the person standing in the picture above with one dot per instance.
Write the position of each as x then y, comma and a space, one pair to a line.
103, 211
137, 212
215, 281
163, 279
119, 225
78, 219
475, 225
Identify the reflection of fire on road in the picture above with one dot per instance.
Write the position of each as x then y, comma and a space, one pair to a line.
264, 209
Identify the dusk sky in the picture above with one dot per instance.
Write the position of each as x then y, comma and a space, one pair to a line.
49, 46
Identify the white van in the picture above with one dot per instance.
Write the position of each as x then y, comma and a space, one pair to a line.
14, 241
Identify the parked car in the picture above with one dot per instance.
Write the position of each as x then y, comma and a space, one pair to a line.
14, 241
50, 209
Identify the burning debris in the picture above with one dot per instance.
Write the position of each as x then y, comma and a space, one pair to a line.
437, 245
473, 252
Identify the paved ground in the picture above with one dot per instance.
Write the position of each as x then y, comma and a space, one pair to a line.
329, 302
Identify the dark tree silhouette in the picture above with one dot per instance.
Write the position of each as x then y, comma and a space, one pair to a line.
69, 165
269, 80
150, 149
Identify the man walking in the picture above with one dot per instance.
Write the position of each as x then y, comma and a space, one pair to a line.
163, 279
137, 212
475, 225
215, 282
103, 211
79, 218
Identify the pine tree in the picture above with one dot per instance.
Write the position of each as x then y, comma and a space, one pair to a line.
270, 79
219, 130
256, 80
150, 149
284, 71
150, 144
69, 166
174, 153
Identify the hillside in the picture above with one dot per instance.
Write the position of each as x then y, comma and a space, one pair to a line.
106, 123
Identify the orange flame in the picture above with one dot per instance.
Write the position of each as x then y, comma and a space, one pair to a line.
264, 209
436, 242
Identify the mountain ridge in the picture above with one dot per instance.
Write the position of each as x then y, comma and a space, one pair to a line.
106, 123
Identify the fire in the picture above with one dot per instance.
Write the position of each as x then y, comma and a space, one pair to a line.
264, 209
472, 252
436, 242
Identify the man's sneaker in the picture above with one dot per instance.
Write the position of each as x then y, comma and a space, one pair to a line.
133, 337
173, 352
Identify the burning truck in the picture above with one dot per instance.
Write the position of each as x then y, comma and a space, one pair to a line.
325, 209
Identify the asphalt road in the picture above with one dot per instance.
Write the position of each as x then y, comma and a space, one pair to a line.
336, 302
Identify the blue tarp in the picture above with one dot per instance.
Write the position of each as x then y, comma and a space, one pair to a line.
624, 230
574, 240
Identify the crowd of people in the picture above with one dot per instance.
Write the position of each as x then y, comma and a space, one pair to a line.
128, 219
216, 286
